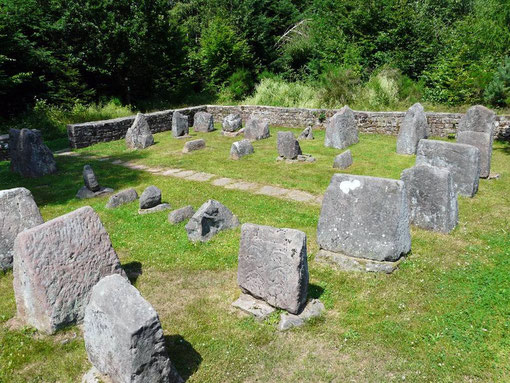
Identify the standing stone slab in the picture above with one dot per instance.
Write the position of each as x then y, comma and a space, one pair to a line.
121, 198
232, 123
203, 122
343, 160
211, 218
306, 134
56, 264
90, 179
18, 212
123, 335
463, 162
431, 198
240, 149
414, 127
288, 146
482, 141
180, 125
30, 157
194, 145
139, 135
365, 217
273, 266
256, 129
342, 130
150, 197
478, 118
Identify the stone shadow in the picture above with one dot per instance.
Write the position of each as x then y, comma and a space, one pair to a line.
183, 356
133, 270
314, 291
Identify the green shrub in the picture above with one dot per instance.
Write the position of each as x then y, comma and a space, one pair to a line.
497, 92
240, 84
339, 87
276, 91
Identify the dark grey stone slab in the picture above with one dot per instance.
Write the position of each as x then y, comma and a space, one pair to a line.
342, 130
413, 128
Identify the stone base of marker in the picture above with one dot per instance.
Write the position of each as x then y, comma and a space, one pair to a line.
85, 193
313, 309
345, 263
299, 158
253, 306
155, 209
238, 133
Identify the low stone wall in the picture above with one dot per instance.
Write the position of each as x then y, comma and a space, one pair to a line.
4, 150
441, 124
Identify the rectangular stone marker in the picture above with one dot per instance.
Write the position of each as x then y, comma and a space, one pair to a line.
463, 162
342, 130
483, 141
365, 217
431, 197
56, 264
273, 266
203, 122
180, 125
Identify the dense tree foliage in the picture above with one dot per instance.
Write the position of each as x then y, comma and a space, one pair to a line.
148, 51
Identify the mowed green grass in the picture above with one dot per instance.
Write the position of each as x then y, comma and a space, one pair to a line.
444, 316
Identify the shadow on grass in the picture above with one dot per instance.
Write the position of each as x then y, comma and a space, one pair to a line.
506, 149
182, 354
315, 291
133, 270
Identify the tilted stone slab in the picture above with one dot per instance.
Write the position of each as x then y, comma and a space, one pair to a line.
150, 197
18, 212
288, 146
180, 124
341, 130
240, 149
123, 335
273, 266
191, 146
343, 160
306, 134
431, 198
121, 198
211, 218
56, 264
413, 128
139, 135
232, 123
203, 122
478, 118
463, 162
365, 217
256, 129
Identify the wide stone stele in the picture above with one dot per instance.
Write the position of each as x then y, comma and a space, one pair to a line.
56, 264
30, 157
463, 162
232, 123
18, 212
203, 122
240, 149
482, 141
364, 218
288, 146
139, 135
123, 335
211, 218
273, 266
413, 128
341, 130
180, 125
431, 198
256, 129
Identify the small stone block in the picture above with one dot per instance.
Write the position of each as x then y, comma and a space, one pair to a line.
256, 307
346, 263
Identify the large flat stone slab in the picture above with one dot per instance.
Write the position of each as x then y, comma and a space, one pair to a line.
341, 130
413, 128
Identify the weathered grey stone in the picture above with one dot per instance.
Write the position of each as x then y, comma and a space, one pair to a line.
211, 218
482, 141
203, 122
180, 125
30, 157
18, 212
413, 128
123, 335
94, 376
121, 198
342, 130
345, 263
256, 307
365, 217
431, 198
56, 264
155, 209
90, 179
182, 214
343, 160
191, 146
256, 129
86, 193
463, 162
232, 123
233, 134
478, 118
240, 149
273, 266
306, 134
313, 309
139, 135
150, 197
288, 146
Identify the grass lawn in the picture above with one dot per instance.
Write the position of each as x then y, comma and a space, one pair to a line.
443, 316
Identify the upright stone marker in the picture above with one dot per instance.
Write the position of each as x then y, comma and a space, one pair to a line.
343, 160
431, 197
211, 218
139, 135
414, 127
463, 162
342, 130
56, 264
90, 179
240, 149
306, 134
232, 123
30, 157
123, 335
273, 266
476, 128
256, 129
203, 122
180, 125
288, 146
364, 218
18, 212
